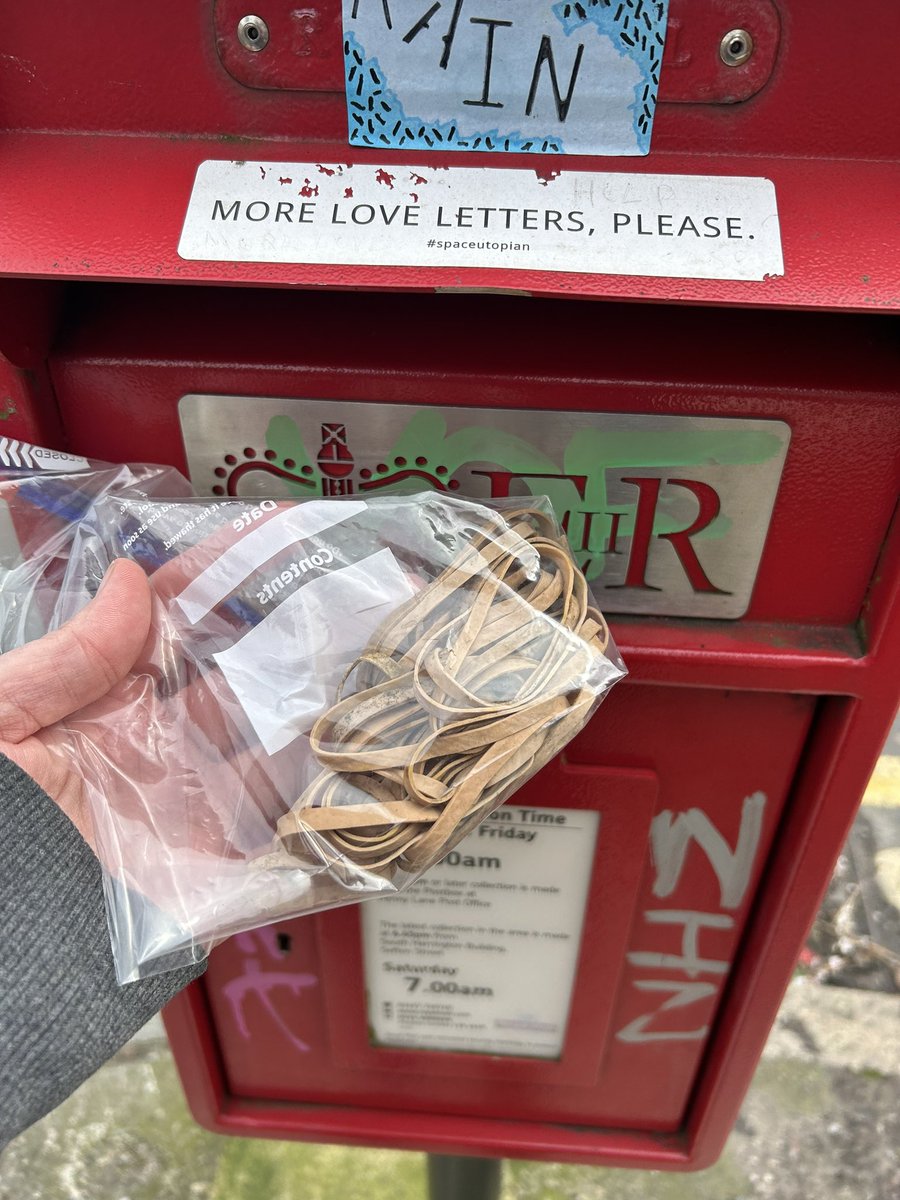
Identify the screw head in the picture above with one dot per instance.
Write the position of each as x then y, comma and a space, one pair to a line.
736, 47
253, 33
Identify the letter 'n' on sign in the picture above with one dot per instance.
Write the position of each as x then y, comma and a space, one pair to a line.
537, 76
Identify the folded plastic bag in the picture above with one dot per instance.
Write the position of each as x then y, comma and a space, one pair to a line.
43, 496
333, 693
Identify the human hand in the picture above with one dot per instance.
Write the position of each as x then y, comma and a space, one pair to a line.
56, 675
144, 749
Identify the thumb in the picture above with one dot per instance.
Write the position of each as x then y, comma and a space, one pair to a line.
63, 671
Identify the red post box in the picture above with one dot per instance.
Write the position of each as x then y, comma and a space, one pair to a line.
591, 976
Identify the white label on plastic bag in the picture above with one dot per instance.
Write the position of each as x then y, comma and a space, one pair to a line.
22, 456
285, 671
232, 568
480, 955
591, 222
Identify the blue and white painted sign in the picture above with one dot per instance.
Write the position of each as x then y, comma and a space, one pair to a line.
533, 76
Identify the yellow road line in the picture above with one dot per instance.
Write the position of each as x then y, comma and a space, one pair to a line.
884, 786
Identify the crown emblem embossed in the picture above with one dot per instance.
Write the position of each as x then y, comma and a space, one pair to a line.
335, 461
334, 473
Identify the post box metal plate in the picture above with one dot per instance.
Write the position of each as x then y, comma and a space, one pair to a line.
666, 515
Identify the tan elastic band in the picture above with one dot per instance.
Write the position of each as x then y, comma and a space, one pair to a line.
462, 694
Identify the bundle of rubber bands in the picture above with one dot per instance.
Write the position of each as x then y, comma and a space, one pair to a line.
460, 696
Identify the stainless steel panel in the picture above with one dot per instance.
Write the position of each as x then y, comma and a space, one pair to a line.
667, 515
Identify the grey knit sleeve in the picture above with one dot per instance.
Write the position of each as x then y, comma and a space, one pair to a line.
62, 1014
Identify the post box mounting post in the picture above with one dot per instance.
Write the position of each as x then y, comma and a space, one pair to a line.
455, 1177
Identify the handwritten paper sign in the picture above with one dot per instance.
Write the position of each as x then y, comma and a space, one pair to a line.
513, 76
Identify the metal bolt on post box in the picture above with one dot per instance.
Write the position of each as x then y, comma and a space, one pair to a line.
736, 48
307, 275
253, 33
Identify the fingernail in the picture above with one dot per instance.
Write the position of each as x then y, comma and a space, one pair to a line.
109, 573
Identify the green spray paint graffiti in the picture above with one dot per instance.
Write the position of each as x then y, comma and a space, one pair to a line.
425, 455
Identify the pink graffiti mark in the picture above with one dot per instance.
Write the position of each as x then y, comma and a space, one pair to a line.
415, 196
261, 941
348, 193
384, 177
325, 170
309, 189
285, 179
262, 171
418, 180
255, 981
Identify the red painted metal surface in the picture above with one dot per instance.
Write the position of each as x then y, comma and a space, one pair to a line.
832, 379
27, 407
29, 315
304, 53
693, 71
100, 148
600, 1080
791, 701
838, 754
159, 73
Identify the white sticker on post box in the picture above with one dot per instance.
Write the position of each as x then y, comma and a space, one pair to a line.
480, 955
590, 222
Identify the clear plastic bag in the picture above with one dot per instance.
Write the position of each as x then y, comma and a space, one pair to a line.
334, 692
43, 496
